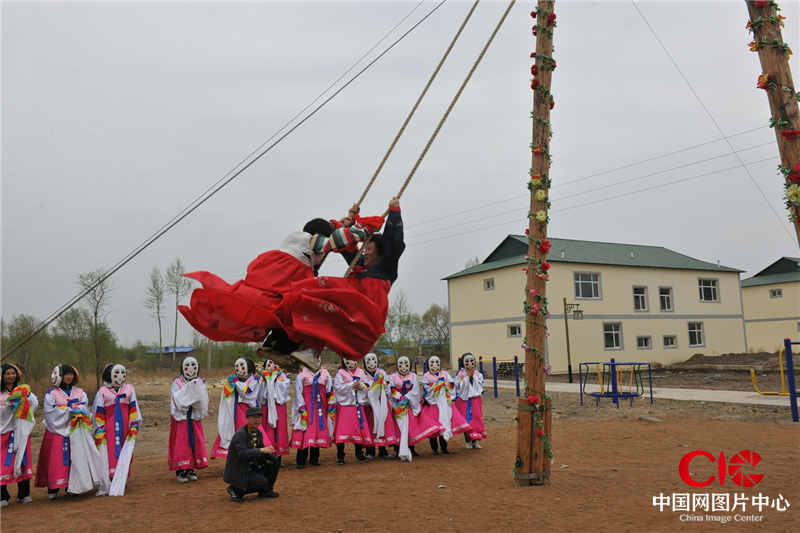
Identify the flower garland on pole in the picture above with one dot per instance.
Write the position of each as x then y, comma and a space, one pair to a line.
776, 80
534, 450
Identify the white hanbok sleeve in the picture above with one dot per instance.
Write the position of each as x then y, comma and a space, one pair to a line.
299, 402
250, 395
343, 390
56, 417
34, 401
427, 391
413, 397
200, 407
98, 403
477, 383
283, 385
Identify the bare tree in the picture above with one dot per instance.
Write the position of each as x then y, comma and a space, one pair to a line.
436, 323
179, 286
155, 301
97, 300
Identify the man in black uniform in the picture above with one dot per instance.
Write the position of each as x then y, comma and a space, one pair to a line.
251, 466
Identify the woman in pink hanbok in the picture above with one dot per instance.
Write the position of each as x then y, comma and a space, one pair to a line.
310, 415
379, 411
439, 388
273, 395
239, 392
350, 387
188, 408
17, 404
469, 388
413, 424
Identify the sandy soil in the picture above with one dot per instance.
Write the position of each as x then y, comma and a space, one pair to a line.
608, 465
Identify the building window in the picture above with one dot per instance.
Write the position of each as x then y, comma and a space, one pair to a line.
640, 298
665, 299
612, 335
696, 335
488, 284
644, 342
776, 293
708, 290
515, 330
670, 341
587, 285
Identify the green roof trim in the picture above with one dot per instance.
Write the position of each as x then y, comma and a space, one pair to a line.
770, 279
514, 247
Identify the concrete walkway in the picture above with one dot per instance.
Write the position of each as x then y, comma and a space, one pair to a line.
699, 395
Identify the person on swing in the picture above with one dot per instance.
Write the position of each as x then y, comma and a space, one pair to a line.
244, 311
345, 314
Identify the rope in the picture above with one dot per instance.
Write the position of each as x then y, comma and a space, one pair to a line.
189, 210
440, 124
416, 104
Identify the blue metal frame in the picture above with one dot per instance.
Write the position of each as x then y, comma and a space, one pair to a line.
610, 368
787, 343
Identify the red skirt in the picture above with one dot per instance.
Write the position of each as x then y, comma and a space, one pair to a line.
244, 311
349, 428
421, 427
276, 437
477, 431
7, 472
182, 456
345, 314
457, 421
51, 472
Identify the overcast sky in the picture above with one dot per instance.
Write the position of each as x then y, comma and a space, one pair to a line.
116, 115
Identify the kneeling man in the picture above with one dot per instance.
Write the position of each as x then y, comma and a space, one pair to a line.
251, 466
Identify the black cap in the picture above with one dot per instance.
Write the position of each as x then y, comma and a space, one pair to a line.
253, 411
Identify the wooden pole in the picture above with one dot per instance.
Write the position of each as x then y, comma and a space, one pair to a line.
209, 354
532, 466
776, 78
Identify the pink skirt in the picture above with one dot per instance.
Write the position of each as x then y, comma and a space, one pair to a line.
457, 420
422, 426
391, 433
277, 437
51, 472
313, 436
477, 431
7, 472
181, 454
240, 420
348, 427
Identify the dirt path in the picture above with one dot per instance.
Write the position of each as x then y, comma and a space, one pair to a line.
608, 466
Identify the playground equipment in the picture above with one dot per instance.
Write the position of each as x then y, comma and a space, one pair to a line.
787, 345
784, 391
610, 378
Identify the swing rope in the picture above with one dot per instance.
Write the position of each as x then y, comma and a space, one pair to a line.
438, 126
416, 104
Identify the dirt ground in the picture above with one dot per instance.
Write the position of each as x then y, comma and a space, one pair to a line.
608, 465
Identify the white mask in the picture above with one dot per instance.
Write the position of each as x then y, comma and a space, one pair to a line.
371, 362
434, 364
190, 368
269, 365
350, 364
403, 365
118, 375
55, 376
240, 367
469, 361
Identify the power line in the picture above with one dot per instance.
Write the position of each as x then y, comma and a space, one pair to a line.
600, 173
519, 219
219, 185
589, 191
716, 124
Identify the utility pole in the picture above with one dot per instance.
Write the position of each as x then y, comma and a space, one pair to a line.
532, 464
776, 79
209, 354
566, 329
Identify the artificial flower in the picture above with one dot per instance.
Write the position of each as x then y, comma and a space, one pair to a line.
544, 246
541, 215
534, 83
760, 3
534, 70
533, 399
541, 195
533, 14
754, 46
551, 19
793, 194
791, 134
763, 81
545, 266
